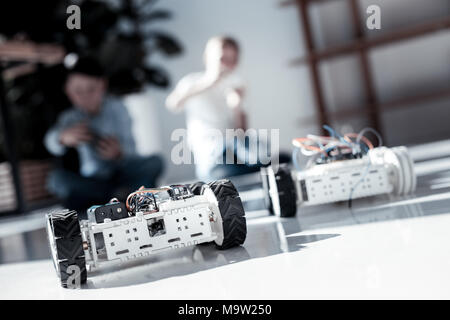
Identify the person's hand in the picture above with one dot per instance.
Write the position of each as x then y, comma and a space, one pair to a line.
50, 53
109, 148
73, 136
234, 98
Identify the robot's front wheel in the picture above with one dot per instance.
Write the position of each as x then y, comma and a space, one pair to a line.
196, 187
64, 235
232, 213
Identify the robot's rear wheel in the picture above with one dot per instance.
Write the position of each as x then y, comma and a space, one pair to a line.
282, 193
64, 235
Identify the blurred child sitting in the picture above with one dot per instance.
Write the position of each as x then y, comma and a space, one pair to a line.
98, 126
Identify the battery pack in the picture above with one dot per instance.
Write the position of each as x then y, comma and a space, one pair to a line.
113, 211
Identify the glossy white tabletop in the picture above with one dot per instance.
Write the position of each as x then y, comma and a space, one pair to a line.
384, 247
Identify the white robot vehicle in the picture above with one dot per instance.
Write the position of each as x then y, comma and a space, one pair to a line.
151, 221
340, 168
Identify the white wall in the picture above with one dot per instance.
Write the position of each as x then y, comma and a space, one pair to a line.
270, 37
146, 126
279, 95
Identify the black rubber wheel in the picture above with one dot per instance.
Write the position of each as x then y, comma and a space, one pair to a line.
286, 192
232, 213
63, 230
196, 187
265, 186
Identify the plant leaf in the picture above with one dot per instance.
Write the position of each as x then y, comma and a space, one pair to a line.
157, 77
164, 42
160, 14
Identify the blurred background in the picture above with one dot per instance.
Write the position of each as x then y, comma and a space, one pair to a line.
306, 63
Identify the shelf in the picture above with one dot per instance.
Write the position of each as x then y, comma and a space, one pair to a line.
360, 44
350, 112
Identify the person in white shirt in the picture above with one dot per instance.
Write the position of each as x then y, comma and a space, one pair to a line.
212, 100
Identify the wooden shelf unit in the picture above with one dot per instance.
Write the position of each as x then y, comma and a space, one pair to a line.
361, 45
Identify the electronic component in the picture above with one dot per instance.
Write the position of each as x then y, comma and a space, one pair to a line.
113, 211
340, 168
160, 219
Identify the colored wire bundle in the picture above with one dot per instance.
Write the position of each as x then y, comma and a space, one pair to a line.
328, 148
323, 149
143, 200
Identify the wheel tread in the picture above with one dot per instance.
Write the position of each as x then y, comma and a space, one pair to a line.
69, 245
286, 192
196, 187
232, 211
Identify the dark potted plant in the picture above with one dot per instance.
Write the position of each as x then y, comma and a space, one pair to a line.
119, 33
